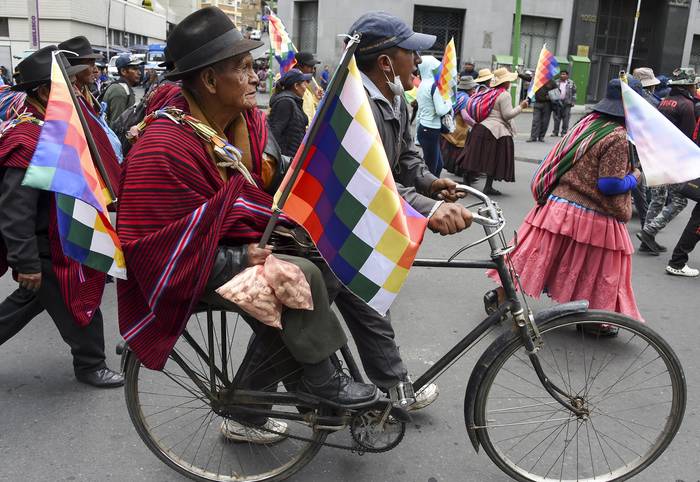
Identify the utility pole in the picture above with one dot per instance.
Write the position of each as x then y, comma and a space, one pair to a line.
109, 8
515, 47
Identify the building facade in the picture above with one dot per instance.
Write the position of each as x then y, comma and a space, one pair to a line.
668, 33
246, 14
129, 24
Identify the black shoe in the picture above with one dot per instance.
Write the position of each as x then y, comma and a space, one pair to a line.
643, 248
341, 389
541, 139
554, 134
651, 243
531, 140
599, 330
489, 191
102, 378
491, 302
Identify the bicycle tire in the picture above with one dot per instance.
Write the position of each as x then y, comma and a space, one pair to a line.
509, 348
132, 370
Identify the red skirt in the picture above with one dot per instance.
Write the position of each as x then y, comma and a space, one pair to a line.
484, 153
573, 253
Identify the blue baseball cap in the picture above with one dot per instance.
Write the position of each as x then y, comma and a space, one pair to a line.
292, 76
381, 31
124, 61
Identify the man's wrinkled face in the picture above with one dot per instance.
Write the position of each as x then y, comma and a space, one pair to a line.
236, 83
87, 76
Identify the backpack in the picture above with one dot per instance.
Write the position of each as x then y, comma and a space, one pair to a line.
130, 117
447, 122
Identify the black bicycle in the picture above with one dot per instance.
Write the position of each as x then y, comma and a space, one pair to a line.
547, 400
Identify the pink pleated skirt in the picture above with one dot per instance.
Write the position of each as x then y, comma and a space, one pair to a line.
573, 253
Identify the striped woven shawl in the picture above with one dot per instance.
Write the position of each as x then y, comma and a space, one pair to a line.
174, 210
81, 287
585, 134
480, 105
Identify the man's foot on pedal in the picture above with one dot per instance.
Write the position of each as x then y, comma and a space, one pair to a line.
271, 432
424, 397
341, 389
491, 301
686, 271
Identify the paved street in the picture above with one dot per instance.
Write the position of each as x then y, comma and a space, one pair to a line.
53, 428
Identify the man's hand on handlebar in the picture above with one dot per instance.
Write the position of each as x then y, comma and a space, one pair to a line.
445, 189
450, 218
258, 255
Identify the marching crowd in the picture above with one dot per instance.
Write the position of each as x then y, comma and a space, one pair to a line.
170, 177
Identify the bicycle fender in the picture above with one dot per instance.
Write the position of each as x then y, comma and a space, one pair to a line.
542, 318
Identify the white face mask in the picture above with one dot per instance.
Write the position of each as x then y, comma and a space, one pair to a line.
396, 86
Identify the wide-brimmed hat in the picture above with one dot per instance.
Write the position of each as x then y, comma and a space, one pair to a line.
502, 75
36, 69
381, 31
203, 38
466, 83
683, 76
484, 75
646, 76
612, 103
81, 46
306, 58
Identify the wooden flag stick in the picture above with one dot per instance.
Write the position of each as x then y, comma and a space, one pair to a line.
333, 87
94, 153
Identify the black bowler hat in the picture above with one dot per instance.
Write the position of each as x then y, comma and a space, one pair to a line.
612, 103
203, 38
36, 69
81, 46
381, 31
306, 58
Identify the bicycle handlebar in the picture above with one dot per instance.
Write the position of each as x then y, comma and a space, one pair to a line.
484, 221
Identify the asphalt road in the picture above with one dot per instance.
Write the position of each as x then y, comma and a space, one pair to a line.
53, 428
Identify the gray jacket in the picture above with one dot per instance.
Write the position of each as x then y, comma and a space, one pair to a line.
411, 175
570, 92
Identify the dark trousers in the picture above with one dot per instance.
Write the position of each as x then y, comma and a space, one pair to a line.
691, 233
373, 334
561, 116
430, 143
87, 344
639, 197
541, 112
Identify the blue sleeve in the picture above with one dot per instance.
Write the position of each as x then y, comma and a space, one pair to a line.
611, 186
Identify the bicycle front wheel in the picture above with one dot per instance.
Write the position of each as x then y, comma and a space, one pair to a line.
181, 415
631, 385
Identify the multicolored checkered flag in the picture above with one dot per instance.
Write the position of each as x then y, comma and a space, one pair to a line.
547, 68
446, 75
343, 193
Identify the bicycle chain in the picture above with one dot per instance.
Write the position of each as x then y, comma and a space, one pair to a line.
355, 449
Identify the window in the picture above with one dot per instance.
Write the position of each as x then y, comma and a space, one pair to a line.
535, 32
306, 26
4, 27
614, 28
695, 53
444, 23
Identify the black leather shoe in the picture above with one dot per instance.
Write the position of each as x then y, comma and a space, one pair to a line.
654, 247
341, 389
102, 378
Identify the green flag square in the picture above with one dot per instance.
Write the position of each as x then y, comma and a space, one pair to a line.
363, 287
355, 251
349, 210
344, 166
340, 120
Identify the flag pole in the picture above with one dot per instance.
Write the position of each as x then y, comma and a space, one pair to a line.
634, 35
333, 88
94, 153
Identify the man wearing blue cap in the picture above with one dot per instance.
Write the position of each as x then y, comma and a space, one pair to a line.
387, 57
120, 95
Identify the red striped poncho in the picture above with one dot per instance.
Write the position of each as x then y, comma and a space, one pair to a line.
174, 211
81, 287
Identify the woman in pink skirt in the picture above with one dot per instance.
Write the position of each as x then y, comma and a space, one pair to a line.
574, 243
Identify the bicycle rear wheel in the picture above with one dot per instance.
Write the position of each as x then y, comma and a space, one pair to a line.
632, 386
181, 423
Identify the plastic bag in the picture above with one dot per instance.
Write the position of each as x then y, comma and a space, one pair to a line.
289, 283
251, 291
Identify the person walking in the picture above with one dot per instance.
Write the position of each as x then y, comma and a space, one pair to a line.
483, 79
452, 143
666, 201
431, 107
649, 82
678, 264
120, 95
48, 280
574, 243
567, 99
489, 147
325, 77
306, 62
541, 112
287, 119
468, 70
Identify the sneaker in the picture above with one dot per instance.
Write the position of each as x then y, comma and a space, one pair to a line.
424, 397
686, 271
237, 432
654, 247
